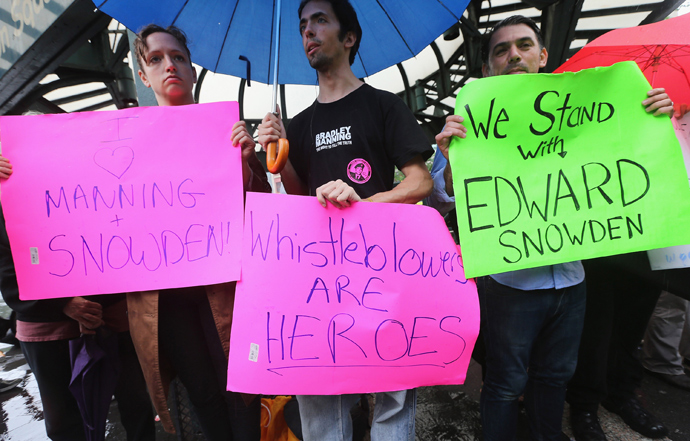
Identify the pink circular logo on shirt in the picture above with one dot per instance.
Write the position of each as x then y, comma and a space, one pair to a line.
359, 171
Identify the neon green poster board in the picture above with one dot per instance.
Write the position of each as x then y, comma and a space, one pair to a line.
564, 167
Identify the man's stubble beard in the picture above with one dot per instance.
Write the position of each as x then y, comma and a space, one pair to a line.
320, 62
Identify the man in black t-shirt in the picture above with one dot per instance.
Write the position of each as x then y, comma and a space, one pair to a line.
359, 139
343, 149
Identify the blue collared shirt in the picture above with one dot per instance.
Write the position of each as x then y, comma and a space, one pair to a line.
561, 275
557, 276
438, 198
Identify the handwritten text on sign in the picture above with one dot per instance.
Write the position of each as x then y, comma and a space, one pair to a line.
365, 299
136, 199
557, 168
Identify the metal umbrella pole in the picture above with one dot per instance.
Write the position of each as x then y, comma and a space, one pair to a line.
276, 152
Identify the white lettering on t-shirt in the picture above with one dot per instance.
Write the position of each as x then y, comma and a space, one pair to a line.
333, 138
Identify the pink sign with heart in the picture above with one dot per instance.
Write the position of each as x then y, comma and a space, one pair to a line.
137, 199
115, 161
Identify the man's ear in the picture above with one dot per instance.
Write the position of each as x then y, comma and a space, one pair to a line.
350, 39
145, 80
543, 56
485, 70
194, 73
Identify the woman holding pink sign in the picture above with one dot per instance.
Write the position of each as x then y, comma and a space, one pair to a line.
186, 331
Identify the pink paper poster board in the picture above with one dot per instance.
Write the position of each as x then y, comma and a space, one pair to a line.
128, 200
366, 299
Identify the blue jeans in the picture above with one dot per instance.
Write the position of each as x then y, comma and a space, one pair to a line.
532, 339
327, 417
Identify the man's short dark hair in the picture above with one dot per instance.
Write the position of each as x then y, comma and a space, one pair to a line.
347, 17
510, 21
140, 46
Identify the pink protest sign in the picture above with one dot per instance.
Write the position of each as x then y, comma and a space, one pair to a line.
367, 299
129, 200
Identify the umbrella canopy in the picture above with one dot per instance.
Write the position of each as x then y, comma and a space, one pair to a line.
95, 370
220, 31
662, 50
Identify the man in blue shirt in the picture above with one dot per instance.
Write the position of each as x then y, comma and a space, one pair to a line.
531, 319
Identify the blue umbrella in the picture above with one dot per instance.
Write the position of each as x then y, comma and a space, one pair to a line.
222, 31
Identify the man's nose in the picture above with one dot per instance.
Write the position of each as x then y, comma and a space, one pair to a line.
514, 54
308, 31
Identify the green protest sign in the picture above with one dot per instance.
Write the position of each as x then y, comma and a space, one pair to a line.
557, 168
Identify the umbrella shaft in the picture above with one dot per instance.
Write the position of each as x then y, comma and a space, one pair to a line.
276, 46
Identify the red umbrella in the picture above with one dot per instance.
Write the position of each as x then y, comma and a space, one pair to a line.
662, 50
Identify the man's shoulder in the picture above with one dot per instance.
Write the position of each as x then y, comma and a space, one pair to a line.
381, 102
304, 115
381, 95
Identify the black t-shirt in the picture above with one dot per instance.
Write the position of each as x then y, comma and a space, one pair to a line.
359, 139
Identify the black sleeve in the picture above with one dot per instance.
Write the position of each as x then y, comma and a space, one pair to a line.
405, 138
33, 310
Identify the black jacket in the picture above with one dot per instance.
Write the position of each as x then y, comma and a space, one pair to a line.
27, 311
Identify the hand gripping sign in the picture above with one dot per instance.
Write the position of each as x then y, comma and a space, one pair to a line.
557, 168
366, 299
130, 200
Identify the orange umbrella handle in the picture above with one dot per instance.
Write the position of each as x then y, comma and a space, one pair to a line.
277, 155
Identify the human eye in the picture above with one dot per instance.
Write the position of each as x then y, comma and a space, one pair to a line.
154, 59
180, 58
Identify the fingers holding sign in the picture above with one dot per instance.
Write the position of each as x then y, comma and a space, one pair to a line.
242, 138
5, 168
89, 314
337, 193
658, 102
452, 128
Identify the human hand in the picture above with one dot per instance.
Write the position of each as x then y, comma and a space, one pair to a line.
5, 168
658, 102
84, 330
241, 137
452, 128
271, 129
89, 314
337, 193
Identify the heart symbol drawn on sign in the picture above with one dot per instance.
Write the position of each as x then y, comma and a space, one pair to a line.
115, 161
